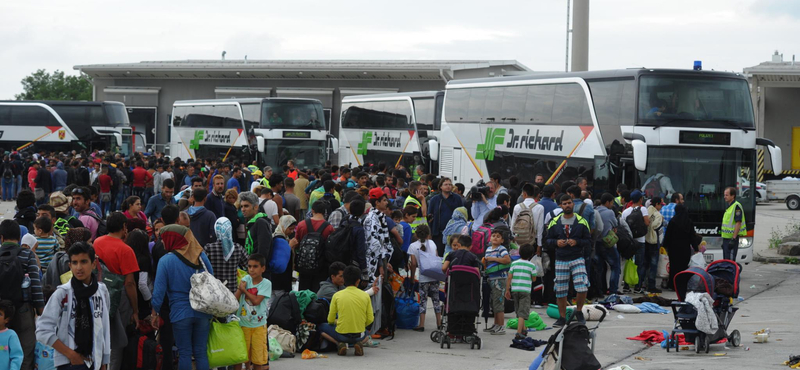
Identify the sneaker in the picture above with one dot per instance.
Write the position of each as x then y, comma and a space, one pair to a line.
359, 349
654, 290
419, 329
538, 306
520, 336
499, 331
638, 290
626, 289
490, 329
380, 334
560, 322
342, 349
579, 318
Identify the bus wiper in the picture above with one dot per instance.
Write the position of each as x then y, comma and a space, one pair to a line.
670, 121
729, 122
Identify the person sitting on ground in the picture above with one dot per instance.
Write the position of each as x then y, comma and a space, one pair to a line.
350, 314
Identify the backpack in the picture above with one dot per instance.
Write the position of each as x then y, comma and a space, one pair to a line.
577, 354
281, 255
249, 243
339, 245
625, 245
309, 252
636, 221
62, 225
653, 188
317, 311
8, 174
102, 228
142, 353
115, 284
523, 227
11, 274
284, 311
480, 239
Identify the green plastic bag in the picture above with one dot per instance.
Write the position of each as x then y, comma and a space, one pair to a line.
226, 344
631, 274
533, 322
275, 350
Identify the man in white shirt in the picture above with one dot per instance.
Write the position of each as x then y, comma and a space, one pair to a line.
636, 198
269, 207
530, 193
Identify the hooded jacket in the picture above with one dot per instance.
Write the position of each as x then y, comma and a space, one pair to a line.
579, 231
59, 177
259, 230
202, 225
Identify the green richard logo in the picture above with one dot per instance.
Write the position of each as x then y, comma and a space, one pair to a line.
194, 144
494, 137
366, 138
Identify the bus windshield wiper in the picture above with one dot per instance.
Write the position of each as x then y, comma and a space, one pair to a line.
729, 122
658, 125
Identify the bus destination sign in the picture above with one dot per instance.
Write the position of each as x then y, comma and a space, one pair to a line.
709, 138
297, 134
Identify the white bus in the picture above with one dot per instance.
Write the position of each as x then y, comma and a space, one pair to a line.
270, 131
662, 131
67, 125
391, 128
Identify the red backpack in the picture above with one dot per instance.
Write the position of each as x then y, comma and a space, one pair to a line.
481, 238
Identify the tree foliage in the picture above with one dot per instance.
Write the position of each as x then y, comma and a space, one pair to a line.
56, 86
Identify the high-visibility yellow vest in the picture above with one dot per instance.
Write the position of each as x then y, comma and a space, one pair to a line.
419, 220
728, 223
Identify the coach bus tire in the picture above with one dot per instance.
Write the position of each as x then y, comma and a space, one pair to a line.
793, 202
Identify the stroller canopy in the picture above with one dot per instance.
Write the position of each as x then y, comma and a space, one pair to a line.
727, 270
693, 279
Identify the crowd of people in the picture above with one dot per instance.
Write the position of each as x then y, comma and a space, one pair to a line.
341, 233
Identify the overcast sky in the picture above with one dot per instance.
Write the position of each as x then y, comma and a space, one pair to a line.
724, 34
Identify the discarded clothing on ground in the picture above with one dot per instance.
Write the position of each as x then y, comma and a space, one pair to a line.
649, 307
527, 344
654, 336
615, 299
706, 319
659, 300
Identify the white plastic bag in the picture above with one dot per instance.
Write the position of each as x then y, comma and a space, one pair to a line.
211, 296
697, 260
663, 266
537, 261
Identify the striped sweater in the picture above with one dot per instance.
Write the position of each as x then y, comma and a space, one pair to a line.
522, 273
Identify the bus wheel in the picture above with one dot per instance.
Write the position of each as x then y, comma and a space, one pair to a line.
793, 202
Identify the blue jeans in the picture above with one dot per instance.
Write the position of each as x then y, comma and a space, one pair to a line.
8, 186
610, 256
730, 249
651, 263
639, 258
191, 337
346, 338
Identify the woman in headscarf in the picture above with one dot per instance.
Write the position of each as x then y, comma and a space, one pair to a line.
132, 208
457, 222
280, 241
225, 254
680, 241
184, 258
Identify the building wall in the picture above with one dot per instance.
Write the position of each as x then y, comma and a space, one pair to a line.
781, 114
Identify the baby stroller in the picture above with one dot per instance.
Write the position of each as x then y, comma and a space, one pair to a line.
461, 310
695, 279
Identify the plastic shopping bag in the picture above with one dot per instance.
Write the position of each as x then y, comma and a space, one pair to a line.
663, 264
275, 350
44, 357
698, 260
226, 344
631, 274
537, 261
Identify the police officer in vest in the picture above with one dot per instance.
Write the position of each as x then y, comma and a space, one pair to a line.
733, 225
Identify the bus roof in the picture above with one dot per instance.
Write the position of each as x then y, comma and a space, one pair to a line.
596, 75
414, 94
241, 100
65, 102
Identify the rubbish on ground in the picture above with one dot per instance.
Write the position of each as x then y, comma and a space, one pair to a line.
762, 338
685, 348
655, 336
620, 317
746, 348
309, 354
640, 358
720, 354
752, 287
621, 367
740, 299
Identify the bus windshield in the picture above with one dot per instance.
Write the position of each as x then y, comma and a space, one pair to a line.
117, 115
701, 175
305, 153
694, 101
290, 114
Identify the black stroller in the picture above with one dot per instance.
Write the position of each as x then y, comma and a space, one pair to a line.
695, 279
463, 304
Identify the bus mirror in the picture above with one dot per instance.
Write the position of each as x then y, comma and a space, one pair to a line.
118, 136
335, 145
433, 149
639, 154
260, 144
776, 159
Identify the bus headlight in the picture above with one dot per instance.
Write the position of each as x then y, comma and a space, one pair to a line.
745, 242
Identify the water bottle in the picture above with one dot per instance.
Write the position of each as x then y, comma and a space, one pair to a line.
26, 285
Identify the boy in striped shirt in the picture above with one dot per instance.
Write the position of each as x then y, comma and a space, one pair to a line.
518, 286
47, 245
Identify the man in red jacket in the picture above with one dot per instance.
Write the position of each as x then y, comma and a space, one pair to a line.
140, 179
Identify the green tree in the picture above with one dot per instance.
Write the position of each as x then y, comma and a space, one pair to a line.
56, 86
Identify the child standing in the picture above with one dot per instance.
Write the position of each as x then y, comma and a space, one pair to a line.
461, 255
75, 320
253, 295
497, 254
518, 286
428, 287
10, 350
47, 245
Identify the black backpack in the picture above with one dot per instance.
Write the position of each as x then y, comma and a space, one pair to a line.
142, 353
636, 221
339, 245
388, 311
317, 311
102, 228
577, 354
284, 311
625, 245
11, 274
7, 173
309, 253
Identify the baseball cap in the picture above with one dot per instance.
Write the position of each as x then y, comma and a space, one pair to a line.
59, 202
257, 173
636, 195
376, 193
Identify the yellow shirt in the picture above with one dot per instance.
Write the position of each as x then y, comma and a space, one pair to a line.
354, 308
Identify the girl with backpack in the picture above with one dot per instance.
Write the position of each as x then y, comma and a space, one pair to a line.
481, 237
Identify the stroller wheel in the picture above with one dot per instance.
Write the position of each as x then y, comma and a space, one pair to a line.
677, 345
698, 344
435, 336
479, 342
735, 338
669, 342
707, 344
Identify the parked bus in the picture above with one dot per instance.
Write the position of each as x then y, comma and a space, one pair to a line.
270, 131
67, 125
662, 131
391, 128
